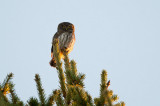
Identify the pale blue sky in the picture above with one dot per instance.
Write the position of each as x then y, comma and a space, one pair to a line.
121, 36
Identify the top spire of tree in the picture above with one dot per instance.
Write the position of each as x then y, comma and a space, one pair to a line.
70, 93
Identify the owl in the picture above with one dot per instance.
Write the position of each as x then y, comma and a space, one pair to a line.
66, 37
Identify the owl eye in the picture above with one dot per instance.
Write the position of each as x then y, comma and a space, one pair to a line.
70, 26
64, 27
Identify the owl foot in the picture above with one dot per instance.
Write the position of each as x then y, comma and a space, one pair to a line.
64, 50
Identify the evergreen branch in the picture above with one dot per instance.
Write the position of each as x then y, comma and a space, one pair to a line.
69, 77
120, 104
74, 104
82, 95
14, 97
114, 98
5, 88
71, 88
108, 95
103, 82
73, 77
7, 79
97, 102
20, 103
89, 100
59, 101
3, 100
68, 97
33, 102
3, 103
79, 96
2, 96
52, 98
66, 61
59, 67
40, 90
77, 78
73, 72
80, 79
73, 67
103, 86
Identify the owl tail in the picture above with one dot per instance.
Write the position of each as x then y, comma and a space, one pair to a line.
52, 63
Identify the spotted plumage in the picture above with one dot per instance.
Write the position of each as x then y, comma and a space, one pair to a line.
66, 37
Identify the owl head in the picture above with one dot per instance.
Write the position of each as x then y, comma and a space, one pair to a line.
66, 27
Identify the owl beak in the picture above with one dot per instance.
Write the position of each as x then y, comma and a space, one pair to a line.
66, 29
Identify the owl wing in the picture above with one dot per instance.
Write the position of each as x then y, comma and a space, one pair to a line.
52, 51
54, 37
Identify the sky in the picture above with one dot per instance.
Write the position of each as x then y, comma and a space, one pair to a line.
121, 36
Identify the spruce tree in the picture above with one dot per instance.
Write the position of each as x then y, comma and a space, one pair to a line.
70, 93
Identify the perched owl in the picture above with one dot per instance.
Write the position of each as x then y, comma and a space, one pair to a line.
66, 37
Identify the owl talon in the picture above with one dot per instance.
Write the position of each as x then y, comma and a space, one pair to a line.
64, 49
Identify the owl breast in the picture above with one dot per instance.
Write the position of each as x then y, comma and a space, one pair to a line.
66, 40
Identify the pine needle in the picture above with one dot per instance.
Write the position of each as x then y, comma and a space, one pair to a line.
41, 93
59, 68
14, 97
33, 102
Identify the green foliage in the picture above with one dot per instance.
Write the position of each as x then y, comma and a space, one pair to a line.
33, 102
40, 90
70, 93
5, 84
14, 97
61, 76
7, 87
52, 98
